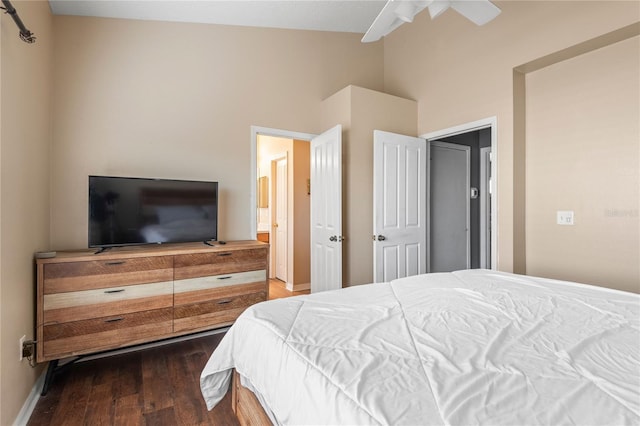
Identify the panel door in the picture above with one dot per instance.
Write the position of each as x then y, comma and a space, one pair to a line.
326, 210
281, 223
399, 210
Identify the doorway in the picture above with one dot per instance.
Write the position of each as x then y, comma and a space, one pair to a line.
479, 138
398, 253
280, 163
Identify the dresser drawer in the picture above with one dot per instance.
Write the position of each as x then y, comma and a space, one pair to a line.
72, 276
196, 289
77, 305
93, 335
213, 312
226, 262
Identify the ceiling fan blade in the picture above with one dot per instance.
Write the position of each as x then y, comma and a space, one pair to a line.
477, 11
392, 15
437, 7
385, 20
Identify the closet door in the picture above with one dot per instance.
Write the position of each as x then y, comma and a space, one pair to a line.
449, 178
399, 206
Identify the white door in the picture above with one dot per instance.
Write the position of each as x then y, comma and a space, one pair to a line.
281, 224
326, 210
449, 212
400, 202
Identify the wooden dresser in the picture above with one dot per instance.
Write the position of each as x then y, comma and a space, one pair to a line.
88, 303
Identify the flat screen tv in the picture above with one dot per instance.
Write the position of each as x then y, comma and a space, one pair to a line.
131, 211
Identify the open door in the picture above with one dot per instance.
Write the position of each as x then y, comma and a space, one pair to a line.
280, 228
400, 202
326, 210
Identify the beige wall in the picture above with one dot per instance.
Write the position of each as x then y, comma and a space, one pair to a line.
301, 244
583, 154
175, 100
361, 111
25, 135
459, 72
268, 147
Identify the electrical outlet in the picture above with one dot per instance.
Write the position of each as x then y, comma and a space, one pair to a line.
564, 217
28, 349
21, 346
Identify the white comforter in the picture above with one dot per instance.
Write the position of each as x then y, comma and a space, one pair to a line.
463, 348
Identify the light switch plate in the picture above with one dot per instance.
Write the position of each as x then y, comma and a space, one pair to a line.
565, 217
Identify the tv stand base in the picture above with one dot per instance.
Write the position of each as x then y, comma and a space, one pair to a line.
102, 250
220, 243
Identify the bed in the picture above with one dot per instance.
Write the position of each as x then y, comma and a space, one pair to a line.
461, 348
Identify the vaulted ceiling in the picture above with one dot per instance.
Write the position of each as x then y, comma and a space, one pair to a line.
323, 15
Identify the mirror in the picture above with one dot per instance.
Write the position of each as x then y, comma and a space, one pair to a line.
263, 192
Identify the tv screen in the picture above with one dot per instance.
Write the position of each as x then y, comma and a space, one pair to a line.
126, 211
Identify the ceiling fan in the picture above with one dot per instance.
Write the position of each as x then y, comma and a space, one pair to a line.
397, 12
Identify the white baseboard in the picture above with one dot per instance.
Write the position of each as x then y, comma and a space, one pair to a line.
298, 287
30, 403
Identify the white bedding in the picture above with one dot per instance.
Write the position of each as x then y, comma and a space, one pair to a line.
462, 348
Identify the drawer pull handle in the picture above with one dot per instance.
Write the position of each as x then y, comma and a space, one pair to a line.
224, 278
225, 254
119, 262
224, 302
120, 290
114, 319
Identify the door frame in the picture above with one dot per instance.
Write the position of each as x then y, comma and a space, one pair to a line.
485, 123
253, 173
485, 209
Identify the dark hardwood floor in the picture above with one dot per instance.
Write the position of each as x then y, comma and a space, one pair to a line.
155, 386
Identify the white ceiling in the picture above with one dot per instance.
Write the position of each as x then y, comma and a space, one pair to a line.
323, 15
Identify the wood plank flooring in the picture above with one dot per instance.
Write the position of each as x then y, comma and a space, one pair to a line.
155, 386
277, 290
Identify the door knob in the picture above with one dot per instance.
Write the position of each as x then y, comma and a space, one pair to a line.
333, 238
381, 238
